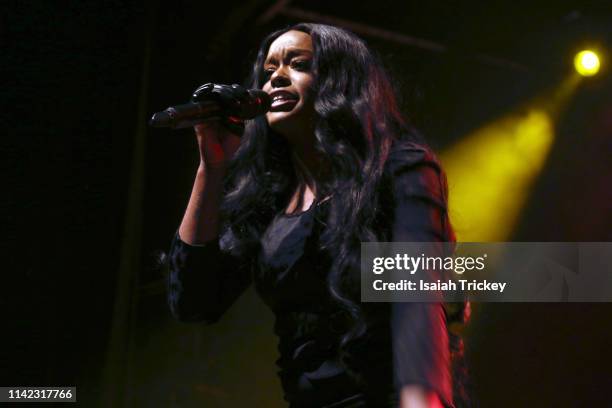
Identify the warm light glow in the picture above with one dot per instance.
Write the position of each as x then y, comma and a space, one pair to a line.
586, 63
491, 171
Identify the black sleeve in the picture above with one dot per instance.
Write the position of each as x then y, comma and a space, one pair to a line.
204, 281
421, 354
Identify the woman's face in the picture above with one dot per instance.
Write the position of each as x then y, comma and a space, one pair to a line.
289, 79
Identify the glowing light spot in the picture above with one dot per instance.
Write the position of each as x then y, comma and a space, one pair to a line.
586, 63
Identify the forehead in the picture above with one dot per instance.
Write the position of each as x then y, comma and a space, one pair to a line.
291, 40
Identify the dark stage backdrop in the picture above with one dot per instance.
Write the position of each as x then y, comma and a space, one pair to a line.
93, 196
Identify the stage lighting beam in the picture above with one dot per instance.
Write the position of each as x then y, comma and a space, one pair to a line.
491, 171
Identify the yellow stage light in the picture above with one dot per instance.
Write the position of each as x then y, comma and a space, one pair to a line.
492, 170
586, 63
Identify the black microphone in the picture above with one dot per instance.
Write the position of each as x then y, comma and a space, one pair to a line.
214, 101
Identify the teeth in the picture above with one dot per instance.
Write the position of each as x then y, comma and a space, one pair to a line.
281, 98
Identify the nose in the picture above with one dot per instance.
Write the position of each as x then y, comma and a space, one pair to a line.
280, 78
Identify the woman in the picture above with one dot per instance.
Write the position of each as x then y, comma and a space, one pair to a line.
286, 207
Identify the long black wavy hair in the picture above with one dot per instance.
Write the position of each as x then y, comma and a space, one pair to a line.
358, 119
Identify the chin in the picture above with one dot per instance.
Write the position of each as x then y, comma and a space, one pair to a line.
281, 122
294, 125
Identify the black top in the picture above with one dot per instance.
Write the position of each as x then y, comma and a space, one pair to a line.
408, 344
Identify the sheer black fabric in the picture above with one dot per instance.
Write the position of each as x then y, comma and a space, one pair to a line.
407, 345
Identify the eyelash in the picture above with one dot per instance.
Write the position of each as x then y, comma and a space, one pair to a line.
300, 65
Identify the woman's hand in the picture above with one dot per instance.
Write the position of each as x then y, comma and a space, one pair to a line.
216, 144
415, 396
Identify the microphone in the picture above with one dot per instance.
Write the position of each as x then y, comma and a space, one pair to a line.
214, 101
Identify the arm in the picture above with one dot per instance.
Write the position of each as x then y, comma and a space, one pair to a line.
200, 223
203, 280
419, 333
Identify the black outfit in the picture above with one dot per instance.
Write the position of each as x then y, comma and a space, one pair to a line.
406, 344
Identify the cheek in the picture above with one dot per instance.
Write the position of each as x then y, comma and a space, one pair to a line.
306, 88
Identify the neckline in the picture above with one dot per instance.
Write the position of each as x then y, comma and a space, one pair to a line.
297, 214
314, 204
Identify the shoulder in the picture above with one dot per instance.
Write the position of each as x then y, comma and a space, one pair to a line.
406, 154
415, 171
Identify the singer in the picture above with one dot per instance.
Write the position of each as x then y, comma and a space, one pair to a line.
285, 206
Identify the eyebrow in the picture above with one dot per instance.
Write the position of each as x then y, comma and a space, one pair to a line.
291, 53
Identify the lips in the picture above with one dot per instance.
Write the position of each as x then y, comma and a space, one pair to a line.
282, 100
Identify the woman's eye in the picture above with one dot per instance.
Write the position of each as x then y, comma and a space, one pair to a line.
268, 72
301, 64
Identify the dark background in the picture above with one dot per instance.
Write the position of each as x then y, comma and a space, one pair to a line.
93, 196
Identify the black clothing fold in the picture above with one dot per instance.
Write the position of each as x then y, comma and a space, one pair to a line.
408, 346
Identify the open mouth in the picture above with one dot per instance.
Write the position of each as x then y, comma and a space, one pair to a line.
282, 101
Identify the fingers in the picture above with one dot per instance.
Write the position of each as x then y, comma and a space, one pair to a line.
210, 137
217, 144
219, 139
209, 127
230, 144
234, 124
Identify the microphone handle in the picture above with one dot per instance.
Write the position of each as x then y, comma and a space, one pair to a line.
187, 115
